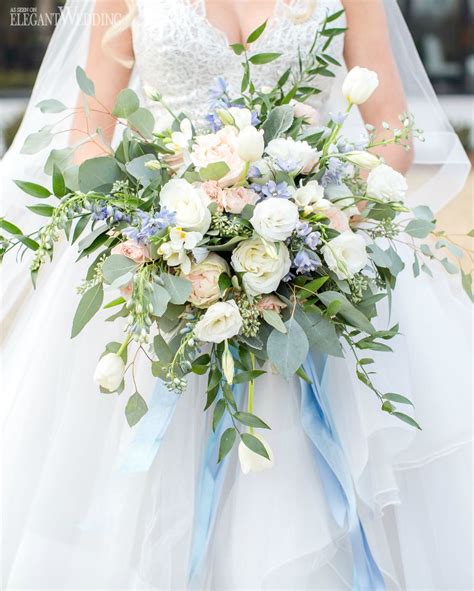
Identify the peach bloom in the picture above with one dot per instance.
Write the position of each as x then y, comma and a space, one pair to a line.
219, 147
204, 277
126, 290
132, 250
174, 161
235, 199
307, 111
270, 302
214, 192
337, 219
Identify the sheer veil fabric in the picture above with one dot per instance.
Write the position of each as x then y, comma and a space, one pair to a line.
72, 519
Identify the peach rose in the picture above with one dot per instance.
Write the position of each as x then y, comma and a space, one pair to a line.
303, 110
337, 219
126, 290
132, 250
235, 199
214, 192
204, 277
270, 302
219, 147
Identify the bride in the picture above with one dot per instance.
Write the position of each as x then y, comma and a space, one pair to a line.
82, 509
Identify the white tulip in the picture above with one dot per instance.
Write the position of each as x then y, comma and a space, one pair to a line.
263, 265
346, 254
221, 321
275, 218
359, 84
109, 372
189, 203
241, 118
250, 144
253, 462
363, 159
386, 184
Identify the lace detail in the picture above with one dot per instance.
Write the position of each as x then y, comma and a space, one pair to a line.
179, 52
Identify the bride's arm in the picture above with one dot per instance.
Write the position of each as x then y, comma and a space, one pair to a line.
367, 44
106, 69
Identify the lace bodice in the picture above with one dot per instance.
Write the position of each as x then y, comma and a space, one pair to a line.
180, 53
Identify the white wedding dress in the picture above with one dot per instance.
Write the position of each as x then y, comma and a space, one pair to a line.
73, 518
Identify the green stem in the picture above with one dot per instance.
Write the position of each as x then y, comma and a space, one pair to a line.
124, 345
251, 390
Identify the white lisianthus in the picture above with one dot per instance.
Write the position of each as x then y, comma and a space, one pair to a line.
189, 203
263, 265
289, 150
387, 184
275, 218
363, 159
109, 372
241, 118
359, 84
164, 121
174, 251
311, 196
221, 321
250, 144
346, 254
253, 462
204, 277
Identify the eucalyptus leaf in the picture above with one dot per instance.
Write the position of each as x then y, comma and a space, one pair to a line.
126, 103
136, 409
98, 173
320, 331
142, 120
178, 288
61, 158
162, 349
115, 266
89, 305
214, 171
278, 121
347, 311
51, 106
160, 299
419, 228
274, 319
288, 351
85, 83
423, 212
37, 141
138, 170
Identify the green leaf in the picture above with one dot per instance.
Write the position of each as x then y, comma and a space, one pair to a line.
162, 349
249, 419
89, 305
471, 233
453, 249
142, 121
226, 443
115, 266
254, 444
37, 141
214, 171
160, 299
224, 282
288, 351
178, 288
449, 266
255, 34
467, 284
312, 287
409, 420
126, 103
347, 311
59, 185
51, 106
92, 237
423, 212
98, 173
80, 227
247, 376
334, 16
278, 121
114, 303
138, 170
263, 58
274, 319
62, 158
219, 410
43, 209
320, 331
397, 398
136, 409
85, 83
237, 48
419, 228
33, 189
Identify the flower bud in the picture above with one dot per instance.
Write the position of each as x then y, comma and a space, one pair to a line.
228, 364
253, 462
109, 372
363, 159
250, 144
359, 84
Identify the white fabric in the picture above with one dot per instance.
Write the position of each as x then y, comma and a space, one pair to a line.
73, 521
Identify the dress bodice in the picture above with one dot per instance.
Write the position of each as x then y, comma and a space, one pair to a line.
180, 53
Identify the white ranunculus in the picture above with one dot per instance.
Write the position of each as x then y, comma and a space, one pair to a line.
250, 144
387, 184
359, 84
311, 194
363, 159
109, 372
241, 118
189, 203
253, 462
220, 322
346, 254
290, 150
275, 218
263, 265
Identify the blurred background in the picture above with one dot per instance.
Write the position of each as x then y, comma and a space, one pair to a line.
443, 31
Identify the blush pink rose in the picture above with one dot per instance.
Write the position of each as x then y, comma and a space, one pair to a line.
214, 192
270, 302
132, 250
219, 147
302, 110
126, 290
204, 277
337, 219
235, 199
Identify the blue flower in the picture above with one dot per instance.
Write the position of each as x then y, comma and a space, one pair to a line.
287, 165
306, 262
255, 120
272, 189
149, 225
214, 122
254, 172
302, 229
313, 239
339, 117
336, 169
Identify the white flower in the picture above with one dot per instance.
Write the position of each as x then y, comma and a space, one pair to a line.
275, 218
228, 364
189, 203
250, 144
290, 150
311, 197
174, 251
363, 159
164, 121
253, 462
241, 118
204, 277
263, 265
264, 170
220, 322
359, 84
387, 184
346, 254
109, 372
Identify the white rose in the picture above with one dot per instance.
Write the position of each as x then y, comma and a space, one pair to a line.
386, 184
241, 118
363, 159
311, 195
275, 218
346, 254
263, 265
109, 372
250, 144
220, 322
204, 277
253, 462
290, 150
189, 203
359, 84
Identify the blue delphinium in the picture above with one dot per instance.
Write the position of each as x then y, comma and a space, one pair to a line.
306, 262
103, 211
272, 189
336, 169
339, 117
288, 166
149, 225
302, 229
312, 240
219, 94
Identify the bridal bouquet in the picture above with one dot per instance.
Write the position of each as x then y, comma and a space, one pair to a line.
233, 245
